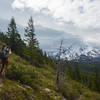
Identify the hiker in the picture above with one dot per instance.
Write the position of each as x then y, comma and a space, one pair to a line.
4, 58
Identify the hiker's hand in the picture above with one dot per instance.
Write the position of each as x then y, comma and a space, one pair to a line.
9, 50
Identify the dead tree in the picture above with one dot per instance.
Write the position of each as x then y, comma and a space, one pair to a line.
60, 72
59, 68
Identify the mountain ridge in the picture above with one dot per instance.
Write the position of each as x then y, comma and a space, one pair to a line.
82, 53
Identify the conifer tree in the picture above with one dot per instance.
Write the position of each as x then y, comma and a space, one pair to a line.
77, 72
14, 39
3, 37
96, 79
33, 47
30, 33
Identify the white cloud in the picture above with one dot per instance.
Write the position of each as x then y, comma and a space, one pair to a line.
83, 13
18, 4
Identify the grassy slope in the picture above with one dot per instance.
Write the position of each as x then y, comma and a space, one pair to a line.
36, 82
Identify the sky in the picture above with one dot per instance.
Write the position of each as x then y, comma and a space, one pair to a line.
75, 21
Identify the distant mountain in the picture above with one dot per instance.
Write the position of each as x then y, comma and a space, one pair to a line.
86, 58
82, 54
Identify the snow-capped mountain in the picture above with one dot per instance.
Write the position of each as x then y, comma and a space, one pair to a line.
81, 54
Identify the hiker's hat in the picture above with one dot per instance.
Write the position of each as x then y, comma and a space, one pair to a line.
3, 46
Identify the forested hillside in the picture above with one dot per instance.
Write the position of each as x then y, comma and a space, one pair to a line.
32, 74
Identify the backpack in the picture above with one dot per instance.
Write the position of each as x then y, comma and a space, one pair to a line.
3, 54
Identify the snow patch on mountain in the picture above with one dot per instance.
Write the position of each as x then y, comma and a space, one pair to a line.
75, 53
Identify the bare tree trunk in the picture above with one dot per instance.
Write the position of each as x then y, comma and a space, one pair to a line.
59, 70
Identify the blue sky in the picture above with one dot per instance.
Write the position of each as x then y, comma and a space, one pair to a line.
75, 21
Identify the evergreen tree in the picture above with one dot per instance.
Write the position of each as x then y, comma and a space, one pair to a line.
77, 72
3, 37
70, 72
30, 33
33, 53
96, 79
14, 39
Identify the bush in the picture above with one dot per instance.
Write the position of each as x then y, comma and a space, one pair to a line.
14, 72
19, 73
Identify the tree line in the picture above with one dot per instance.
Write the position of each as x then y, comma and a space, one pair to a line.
90, 80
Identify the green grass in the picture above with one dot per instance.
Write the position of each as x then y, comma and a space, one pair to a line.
24, 82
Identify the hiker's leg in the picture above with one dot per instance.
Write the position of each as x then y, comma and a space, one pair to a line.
0, 61
6, 63
5, 67
3, 73
2, 68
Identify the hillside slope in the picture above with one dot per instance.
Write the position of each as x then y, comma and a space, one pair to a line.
26, 82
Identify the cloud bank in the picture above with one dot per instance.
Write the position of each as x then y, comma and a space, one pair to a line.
82, 13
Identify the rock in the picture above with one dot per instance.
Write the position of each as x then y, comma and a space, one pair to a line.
21, 87
48, 90
32, 98
64, 99
27, 86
